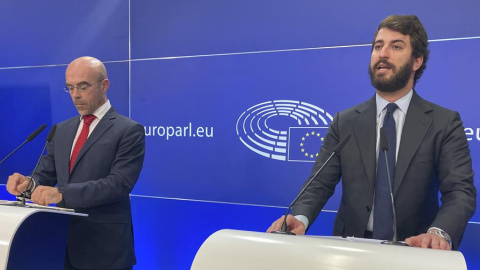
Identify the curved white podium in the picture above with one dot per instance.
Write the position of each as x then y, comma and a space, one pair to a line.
232, 250
32, 238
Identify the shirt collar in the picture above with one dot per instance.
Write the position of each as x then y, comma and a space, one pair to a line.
402, 103
101, 111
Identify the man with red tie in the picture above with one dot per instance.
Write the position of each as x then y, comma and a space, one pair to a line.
93, 163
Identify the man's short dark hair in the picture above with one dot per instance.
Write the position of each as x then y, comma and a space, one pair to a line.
409, 25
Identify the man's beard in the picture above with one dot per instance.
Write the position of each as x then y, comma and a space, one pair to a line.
396, 82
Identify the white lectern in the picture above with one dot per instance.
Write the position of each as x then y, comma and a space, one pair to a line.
232, 250
32, 238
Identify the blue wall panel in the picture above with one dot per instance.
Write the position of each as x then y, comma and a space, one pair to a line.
190, 27
56, 31
218, 90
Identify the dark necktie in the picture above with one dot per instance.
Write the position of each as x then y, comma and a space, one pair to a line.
82, 138
382, 214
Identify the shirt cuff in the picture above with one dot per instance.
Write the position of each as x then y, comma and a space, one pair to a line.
303, 219
33, 184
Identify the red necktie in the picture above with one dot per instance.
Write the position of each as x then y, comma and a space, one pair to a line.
87, 120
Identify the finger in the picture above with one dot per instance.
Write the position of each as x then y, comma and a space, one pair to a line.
279, 224
42, 199
12, 189
408, 241
298, 231
21, 187
426, 241
46, 198
36, 195
276, 225
12, 183
443, 244
271, 228
412, 241
436, 243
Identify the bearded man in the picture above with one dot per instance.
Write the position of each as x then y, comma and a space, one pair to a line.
427, 153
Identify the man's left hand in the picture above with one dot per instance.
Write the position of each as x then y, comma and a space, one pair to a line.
45, 195
428, 240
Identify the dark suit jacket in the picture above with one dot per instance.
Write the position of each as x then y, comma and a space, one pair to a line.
433, 156
99, 185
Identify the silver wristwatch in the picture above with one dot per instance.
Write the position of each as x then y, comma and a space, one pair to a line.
442, 234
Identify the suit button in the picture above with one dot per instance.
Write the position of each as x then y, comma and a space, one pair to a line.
369, 209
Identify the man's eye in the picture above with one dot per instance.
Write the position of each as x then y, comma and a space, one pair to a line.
83, 86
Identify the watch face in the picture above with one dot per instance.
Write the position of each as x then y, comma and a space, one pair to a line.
442, 234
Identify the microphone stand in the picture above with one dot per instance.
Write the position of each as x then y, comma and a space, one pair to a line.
29, 138
383, 136
335, 150
284, 224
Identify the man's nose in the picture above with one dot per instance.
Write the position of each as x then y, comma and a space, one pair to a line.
384, 52
75, 92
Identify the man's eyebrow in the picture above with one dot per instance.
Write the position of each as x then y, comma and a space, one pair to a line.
391, 42
398, 40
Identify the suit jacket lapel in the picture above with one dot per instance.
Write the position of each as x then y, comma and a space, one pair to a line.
365, 134
417, 123
104, 124
64, 142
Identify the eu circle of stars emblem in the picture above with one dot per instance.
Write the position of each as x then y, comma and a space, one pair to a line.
309, 144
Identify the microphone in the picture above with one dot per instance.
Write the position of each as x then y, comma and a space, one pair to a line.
30, 180
29, 138
337, 149
384, 148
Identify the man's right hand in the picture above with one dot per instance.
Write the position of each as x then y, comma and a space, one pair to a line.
293, 225
17, 184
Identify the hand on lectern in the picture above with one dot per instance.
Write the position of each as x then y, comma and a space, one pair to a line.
17, 184
45, 195
428, 240
293, 225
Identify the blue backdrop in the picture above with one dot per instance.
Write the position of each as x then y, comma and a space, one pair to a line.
227, 92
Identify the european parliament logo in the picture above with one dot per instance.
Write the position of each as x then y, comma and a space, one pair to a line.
285, 130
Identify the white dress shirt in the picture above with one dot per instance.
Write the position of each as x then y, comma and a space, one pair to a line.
99, 114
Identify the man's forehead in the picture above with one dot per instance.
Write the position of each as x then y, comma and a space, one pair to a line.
389, 35
77, 74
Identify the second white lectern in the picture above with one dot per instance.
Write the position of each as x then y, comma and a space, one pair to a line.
240, 250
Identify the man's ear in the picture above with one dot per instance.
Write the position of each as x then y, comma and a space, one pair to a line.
105, 84
417, 63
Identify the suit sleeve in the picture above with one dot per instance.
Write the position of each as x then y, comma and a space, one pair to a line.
123, 175
455, 182
323, 186
46, 173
